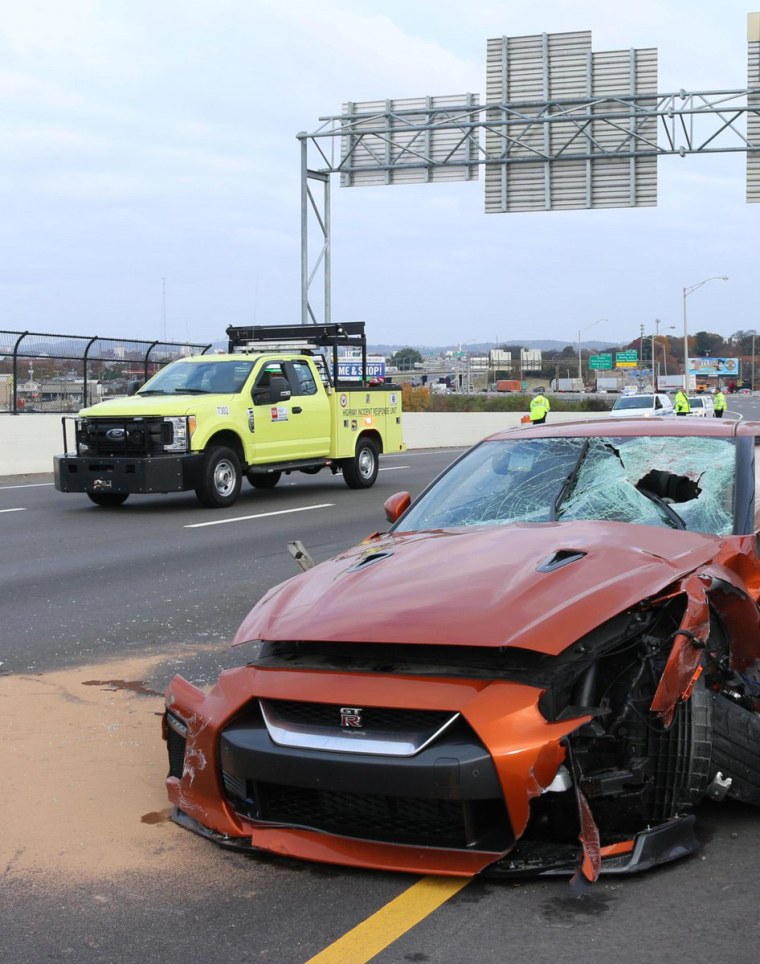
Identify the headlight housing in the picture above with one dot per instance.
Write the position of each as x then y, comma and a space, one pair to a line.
181, 430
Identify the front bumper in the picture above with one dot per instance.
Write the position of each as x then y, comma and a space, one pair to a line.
154, 473
455, 807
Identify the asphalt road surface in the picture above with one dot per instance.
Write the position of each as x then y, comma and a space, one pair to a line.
98, 609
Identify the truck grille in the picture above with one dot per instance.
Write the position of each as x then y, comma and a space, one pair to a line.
123, 436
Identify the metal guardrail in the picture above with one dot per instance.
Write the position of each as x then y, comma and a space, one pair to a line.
41, 372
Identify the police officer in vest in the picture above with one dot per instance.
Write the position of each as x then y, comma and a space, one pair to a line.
539, 407
681, 403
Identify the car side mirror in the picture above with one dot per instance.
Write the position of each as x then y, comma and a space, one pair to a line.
132, 387
396, 505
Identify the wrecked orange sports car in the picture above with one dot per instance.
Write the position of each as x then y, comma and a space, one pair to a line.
542, 667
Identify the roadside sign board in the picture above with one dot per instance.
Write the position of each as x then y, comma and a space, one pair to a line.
627, 359
352, 370
601, 362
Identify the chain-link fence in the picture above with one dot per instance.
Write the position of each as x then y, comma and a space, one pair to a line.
63, 373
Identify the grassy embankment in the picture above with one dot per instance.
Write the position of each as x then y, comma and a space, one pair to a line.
421, 399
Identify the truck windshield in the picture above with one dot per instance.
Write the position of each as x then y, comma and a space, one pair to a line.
208, 378
674, 482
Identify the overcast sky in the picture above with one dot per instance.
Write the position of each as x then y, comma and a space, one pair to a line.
149, 175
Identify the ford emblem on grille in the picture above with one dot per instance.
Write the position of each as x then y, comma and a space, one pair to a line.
350, 716
115, 434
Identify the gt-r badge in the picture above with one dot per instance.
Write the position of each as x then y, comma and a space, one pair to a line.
350, 716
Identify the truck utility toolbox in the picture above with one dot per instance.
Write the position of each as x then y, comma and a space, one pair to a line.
271, 405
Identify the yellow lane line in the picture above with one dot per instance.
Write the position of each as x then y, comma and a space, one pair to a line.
384, 927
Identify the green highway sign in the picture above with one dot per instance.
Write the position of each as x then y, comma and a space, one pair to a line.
600, 362
627, 359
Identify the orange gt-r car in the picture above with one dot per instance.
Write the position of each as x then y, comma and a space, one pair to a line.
543, 667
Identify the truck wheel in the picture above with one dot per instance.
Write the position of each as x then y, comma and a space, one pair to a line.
108, 498
360, 472
220, 479
264, 480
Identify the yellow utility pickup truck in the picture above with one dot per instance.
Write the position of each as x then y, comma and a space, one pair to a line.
274, 403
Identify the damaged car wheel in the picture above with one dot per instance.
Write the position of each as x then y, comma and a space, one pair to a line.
736, 748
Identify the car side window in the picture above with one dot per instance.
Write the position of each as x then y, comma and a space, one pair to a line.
657, 402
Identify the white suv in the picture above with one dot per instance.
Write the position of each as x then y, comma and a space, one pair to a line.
637, 405
702, 405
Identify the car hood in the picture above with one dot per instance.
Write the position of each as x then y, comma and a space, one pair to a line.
537, 586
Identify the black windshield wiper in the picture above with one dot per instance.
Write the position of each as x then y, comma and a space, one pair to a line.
669, 511
194, 391
569, 484
153, 391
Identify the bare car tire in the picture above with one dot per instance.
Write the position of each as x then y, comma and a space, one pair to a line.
736, 748
111, 499
220, 479
264, 480
360, 472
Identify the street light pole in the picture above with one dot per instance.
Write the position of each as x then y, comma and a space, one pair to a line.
580, 370
686, 292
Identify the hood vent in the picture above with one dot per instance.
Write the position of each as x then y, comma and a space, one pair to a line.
558, 559
369, 560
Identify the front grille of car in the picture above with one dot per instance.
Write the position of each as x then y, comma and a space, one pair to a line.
432, 823
453, 824
447, 794
123, 436
372, 717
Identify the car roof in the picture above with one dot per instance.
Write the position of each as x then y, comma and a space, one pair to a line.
633, 426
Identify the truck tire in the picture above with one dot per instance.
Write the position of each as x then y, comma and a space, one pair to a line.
360, 472
264, 480
108, 498
736, 748
220, 478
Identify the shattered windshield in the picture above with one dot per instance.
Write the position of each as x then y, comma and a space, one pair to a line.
673, 482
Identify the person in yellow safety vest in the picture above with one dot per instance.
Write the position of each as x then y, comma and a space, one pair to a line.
719, 404
681, 403
539, 406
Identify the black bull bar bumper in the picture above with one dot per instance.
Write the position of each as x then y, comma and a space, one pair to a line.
159, 473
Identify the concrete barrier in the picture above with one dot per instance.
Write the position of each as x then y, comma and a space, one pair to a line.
29, 442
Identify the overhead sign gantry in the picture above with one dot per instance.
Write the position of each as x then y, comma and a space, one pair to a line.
562, 127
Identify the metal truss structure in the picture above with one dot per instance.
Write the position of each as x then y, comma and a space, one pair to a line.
539, 153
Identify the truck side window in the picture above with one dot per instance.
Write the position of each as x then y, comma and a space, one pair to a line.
263, 379
305, 379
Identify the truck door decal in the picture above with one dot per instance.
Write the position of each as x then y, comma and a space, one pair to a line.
279, 413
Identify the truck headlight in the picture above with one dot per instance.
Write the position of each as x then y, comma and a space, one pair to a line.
80, 430
180, 430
